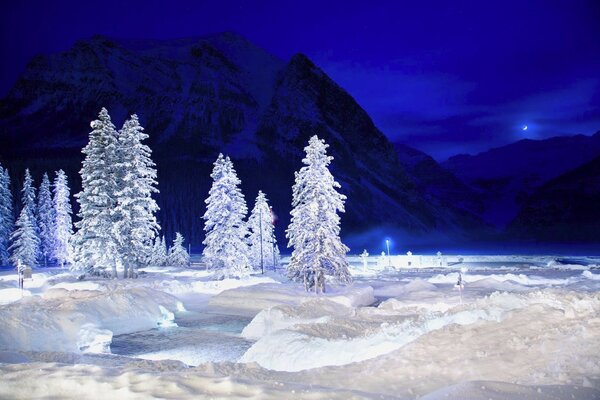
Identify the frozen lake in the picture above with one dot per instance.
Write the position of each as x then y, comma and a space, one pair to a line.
199, 336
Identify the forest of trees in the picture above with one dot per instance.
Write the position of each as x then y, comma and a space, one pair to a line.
117, 231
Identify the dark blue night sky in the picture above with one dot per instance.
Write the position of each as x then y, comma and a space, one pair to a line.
446, 77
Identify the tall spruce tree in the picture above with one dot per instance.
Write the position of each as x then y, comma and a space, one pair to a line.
28, 204
134, 215
314, 229
6, 215
225, 244
62, 225
262, 234
96, 249
28, 197
25, 241
45, 219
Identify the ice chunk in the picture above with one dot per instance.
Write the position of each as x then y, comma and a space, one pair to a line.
93, 339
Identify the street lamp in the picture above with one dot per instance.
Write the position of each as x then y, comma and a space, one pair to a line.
387, 243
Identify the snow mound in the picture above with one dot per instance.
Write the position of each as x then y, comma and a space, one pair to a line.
10, 295
590, 275
253, 299
521, 279
62, 320
286, 336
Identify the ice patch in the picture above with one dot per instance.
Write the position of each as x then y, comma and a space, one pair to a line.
93, 339
168, 318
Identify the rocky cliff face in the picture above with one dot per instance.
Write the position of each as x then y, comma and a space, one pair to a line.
198, 97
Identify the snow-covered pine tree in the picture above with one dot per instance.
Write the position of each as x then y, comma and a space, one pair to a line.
45, 219
164, 252
178, 255
28, 197
63, 224
225, 244
135, 221
25, 241
276, 256
262, 235
29, 205
95, 249
6, 215
314, 229
158, 256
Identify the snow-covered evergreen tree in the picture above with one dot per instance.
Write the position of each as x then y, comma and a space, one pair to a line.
164, 249
25, 241
225, 244
178, 255
63, 224
29, 205
6, 215
262, 234
134, 215
159, 253
45, 219
314, 229
276, 256
28, 197
94, 246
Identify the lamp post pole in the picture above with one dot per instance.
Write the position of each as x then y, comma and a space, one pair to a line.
387, 243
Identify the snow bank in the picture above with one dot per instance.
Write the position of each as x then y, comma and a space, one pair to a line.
10, 295
187, 285
80, 320
287, 338
253, 299
522, 279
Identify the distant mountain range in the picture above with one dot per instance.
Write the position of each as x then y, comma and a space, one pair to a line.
506, 176
200, 96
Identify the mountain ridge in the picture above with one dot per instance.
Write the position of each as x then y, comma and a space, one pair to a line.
197, 98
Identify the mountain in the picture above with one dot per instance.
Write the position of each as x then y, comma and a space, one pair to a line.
506, 176
566, 209
433, 179
201, 96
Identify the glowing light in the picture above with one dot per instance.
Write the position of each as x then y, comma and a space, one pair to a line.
524, 127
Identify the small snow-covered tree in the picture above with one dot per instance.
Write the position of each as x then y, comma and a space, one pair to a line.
225, 244
95, 249
63, 224
314, 228
262, 236
158, 256
25, 241
178, 255
6, 215
134, 215
164, 249
45, 220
